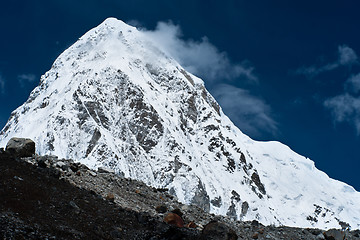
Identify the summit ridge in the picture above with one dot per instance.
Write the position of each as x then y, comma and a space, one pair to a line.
115, 99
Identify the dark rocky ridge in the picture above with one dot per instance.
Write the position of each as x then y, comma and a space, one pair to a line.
115, 99
43, 197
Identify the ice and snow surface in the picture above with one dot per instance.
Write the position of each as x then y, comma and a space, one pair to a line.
115, 99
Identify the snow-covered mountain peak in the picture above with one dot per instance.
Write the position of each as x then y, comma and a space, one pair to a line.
115, 99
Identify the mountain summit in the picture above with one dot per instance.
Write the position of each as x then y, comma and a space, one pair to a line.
115, 99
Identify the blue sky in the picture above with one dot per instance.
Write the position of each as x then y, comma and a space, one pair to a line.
282, 70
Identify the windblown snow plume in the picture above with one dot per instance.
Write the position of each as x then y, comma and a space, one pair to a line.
115, 99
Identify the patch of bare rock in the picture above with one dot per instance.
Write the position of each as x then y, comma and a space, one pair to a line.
44, 197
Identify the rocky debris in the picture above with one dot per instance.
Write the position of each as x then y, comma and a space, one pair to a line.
161, 209
218, 231
48, 206
105, 170
41, 163
109, 113
334, 234
62, 165
75, 207
92, 173
46, 198
255, 235
191, 225
110, 197
20, 147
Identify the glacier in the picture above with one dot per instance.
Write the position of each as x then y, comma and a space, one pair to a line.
116, 99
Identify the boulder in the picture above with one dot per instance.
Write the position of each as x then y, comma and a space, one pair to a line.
334, 234
174, 219
105, 170
20, 147
161, 209
110, 197
42, 163
218, 231
62, 165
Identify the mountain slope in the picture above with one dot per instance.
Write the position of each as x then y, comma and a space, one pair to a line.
115, 99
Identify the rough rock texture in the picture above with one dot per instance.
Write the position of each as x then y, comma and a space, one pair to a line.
217, 230
333, 234
21, 147
44, 197
114, 99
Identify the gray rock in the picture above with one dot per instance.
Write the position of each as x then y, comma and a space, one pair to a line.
216, 202
62, 165
244, 208
334, 234
232, 211
218, 231
74, 166
105, 170
75, 207
18, 178
42, 163
161, 209
320, 237
201, 198
20, 147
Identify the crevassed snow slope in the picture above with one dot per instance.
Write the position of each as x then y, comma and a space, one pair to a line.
115, 99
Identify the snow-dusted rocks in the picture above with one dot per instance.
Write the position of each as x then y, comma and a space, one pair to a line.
115, 100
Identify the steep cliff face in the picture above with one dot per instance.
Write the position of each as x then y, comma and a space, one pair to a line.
115, 99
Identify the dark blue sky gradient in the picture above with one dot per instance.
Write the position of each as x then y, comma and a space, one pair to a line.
275, 37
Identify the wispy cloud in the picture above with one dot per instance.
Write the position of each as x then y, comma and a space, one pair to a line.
346, 57
251, 114
26, 78
352, 85
346, 106
2, 85
198, 57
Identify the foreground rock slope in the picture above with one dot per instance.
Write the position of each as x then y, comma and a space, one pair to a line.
114, 99
43, 197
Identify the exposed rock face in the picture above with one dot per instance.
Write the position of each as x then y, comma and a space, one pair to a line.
20, 147
115, 100
44, 197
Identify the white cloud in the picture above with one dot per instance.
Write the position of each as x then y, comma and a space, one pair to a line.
251, 114
198, 57
346, 57
26, 78
2, 85
135, 23
353, 84
313, 71
345, 108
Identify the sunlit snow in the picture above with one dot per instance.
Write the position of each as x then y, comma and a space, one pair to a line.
115, 99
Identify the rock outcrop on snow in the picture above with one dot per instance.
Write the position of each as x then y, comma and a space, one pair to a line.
115, 100
45, 197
